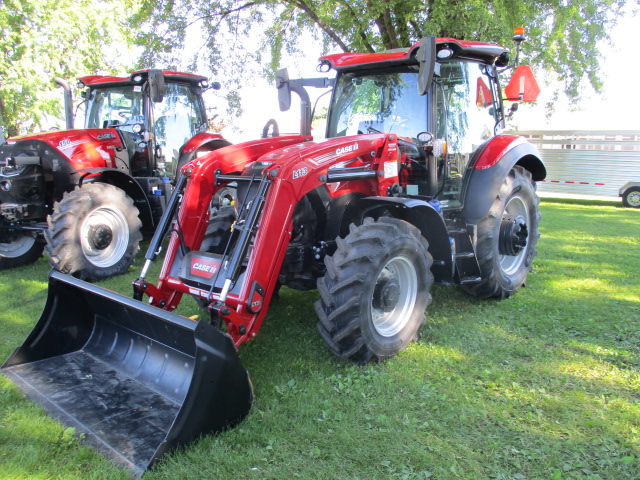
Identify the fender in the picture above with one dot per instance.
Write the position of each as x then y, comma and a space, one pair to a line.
199, 140
126, 182
488, 168
627, 185
205, 141
428, 220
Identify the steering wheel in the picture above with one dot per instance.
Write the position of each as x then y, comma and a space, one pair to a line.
275, 131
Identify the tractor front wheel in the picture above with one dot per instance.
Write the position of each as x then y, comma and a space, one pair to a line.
507, 238
94, 232
219, 231
376, 290
20, 250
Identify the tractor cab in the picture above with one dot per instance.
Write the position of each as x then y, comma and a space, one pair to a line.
447, 118
155, 113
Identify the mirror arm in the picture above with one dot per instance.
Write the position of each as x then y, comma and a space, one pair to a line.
297, 86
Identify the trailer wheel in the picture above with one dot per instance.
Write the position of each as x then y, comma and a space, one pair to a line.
94, 232
507, 238
21, 250
631, 197
376, 290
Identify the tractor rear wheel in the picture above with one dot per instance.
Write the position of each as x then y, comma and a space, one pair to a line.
21, 250
507, 238
376, 290
94, 232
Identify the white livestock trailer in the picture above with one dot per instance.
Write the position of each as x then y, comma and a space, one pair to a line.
581, 163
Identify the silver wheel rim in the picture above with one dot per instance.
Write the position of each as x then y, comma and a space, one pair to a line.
633, 199
515, 207
100, 218
398, 278
18, 248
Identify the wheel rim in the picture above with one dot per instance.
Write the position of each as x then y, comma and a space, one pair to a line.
17, 248
515, 212
633, 199
104, 236
394, 296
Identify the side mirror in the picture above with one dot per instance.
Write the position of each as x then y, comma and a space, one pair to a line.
523, 86
426, 56
157, 87
284, 89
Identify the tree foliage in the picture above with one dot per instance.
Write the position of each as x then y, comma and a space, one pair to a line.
564, 36
42, 39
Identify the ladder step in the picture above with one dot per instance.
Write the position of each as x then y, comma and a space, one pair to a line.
465, 255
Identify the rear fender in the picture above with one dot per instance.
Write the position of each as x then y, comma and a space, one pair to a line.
426, 218
200, 144
196, 142
488, 168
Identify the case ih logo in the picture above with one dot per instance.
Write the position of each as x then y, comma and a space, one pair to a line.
347, 149
204, 267
106, 136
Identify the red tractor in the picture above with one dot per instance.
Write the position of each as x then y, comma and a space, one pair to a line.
415, 186
90, 192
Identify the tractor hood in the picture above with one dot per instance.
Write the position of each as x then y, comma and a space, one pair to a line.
90, 148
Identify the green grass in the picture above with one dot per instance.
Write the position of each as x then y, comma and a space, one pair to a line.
543, 385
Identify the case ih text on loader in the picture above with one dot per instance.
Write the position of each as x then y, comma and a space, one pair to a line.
415, 186
90, 191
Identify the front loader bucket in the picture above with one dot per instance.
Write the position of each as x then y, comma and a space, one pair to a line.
136, 380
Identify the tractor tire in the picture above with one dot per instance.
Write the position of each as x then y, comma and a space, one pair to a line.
375, 292
23, 250
217, 237
219, 232
507, 238
94, 232
631, 197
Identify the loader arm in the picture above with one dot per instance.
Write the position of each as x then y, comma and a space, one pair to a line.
240, 296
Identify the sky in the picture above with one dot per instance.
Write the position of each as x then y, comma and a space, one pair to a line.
616, 108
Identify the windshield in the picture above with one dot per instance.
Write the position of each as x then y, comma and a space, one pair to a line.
178, 117
389, 102
382, 102
116, 106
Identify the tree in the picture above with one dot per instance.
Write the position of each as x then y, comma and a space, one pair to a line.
564, 36
46, 38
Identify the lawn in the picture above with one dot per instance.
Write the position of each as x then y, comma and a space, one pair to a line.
543, 385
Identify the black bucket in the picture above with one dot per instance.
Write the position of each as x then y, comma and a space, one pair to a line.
136, 380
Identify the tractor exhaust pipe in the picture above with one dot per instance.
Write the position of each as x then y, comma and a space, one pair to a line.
68, 102
137, 381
